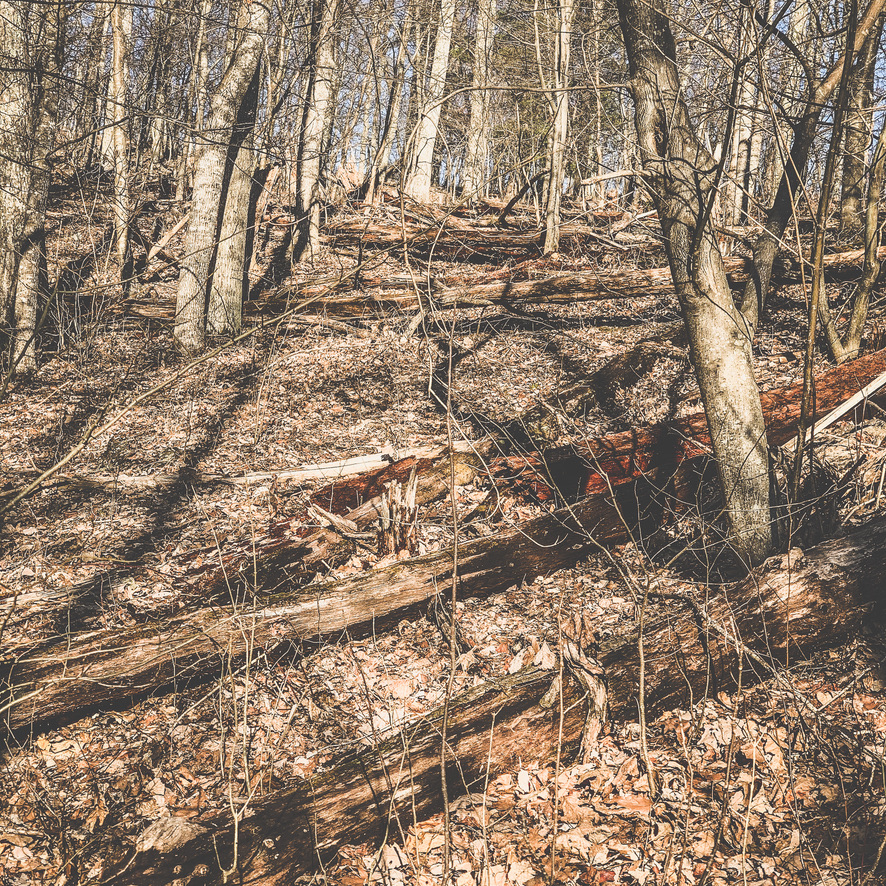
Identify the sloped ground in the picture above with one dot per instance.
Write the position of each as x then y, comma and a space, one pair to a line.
780, 783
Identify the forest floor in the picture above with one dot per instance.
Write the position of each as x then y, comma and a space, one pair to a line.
776, 783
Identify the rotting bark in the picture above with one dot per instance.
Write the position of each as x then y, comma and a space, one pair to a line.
791, 608
373, 791
75, 674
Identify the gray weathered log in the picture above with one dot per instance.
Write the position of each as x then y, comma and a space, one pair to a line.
73, 675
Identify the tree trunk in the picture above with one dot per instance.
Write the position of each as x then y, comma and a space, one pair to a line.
794, 171
559, 101
210, 185
376, 791
797, 605
847, 347
719, 341
197, 100
118, 111
418, 184
859, 125
476, 155
316, 118
230, 281
16, 137
30, 109
388, 129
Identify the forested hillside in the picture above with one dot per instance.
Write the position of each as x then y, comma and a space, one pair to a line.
442, 442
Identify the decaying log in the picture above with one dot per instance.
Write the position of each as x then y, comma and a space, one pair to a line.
373, 791
791, 608
287, 558
87, 670
593, 468
337, 295
91, 669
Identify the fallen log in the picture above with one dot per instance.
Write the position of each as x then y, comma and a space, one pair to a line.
62, 679
657, 452
791, 608
91, 669
332, 470
371, 792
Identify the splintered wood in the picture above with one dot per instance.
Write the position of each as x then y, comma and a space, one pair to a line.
397, 515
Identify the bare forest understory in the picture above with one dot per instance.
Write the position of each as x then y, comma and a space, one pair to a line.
226, 644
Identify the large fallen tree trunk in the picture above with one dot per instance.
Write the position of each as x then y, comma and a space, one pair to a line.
658, 451
791, 608
336, 295
62, 679
94, 668
373, 791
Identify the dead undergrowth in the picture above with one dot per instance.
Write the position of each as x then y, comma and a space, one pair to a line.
777, 783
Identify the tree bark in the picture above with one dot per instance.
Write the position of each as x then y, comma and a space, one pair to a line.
794, 171
476, 153
559, 102
418, 184
30, 112
210, 186
859, 126
316, 118
230, 280
683, 175
118, 113
376, 791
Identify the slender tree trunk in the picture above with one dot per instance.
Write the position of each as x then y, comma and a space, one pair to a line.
30, 107
559, 101
15, 141
210, 184
382, 159
418, 185
476, 157
118, 104
316, 118
859, 124
794, 174
199, 77
682, 176
224, 314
